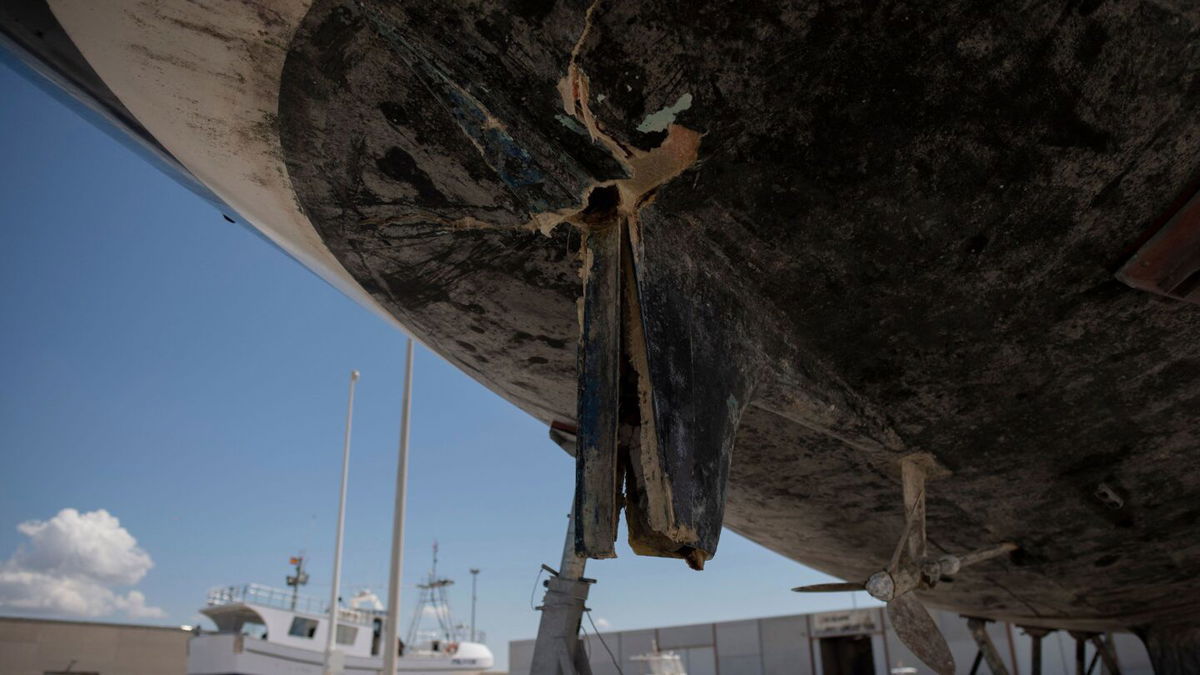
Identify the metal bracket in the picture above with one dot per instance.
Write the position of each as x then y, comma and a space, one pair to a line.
557, 650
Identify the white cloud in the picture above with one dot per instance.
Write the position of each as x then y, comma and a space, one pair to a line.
603, 624
433, 611
365, 599
134, 604
69, 564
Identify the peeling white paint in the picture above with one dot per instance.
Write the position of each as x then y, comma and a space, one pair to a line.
646, 169
662, 119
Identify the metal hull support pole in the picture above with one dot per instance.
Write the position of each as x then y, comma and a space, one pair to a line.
1105, 652
987, 649
391, 627
1035, 636
557, 650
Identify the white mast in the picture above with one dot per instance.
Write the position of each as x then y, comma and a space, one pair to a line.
333, 663
391, 627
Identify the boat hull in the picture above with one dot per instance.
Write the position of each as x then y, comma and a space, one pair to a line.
228, 654
909, 217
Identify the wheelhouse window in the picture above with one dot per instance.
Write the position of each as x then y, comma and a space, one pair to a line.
302, 627
346, 635
254, 629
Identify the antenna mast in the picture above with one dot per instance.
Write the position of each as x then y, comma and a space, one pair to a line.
474, 578
333, 657
298, 579
433, 594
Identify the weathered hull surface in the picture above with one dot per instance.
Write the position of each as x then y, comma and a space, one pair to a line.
859, 232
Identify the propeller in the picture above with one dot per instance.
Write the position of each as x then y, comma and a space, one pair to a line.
910, 569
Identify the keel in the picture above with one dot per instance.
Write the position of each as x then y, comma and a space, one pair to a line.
663, 380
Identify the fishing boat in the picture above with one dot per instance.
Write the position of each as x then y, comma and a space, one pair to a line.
273, 631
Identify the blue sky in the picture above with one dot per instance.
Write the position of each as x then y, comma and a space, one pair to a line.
184, 375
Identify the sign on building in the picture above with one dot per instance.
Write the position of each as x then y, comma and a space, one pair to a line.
843, 622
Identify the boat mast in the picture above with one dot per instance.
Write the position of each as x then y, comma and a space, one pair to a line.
433, 594
391, 626
298, 579
333, 666
474, 577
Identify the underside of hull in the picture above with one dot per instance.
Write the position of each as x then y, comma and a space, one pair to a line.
840, 235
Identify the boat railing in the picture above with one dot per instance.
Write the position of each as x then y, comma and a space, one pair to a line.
279, 598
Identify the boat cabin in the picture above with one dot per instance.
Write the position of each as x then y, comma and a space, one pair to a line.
265, 631
287, 618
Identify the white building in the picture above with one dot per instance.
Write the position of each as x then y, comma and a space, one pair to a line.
849, 642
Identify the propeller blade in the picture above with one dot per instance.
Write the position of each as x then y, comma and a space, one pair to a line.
917, 630
829, 588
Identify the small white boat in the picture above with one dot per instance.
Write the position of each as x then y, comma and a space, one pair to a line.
661, 663
272, 631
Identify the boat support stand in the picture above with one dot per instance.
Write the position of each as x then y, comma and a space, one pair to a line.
1103, 651
558, 649
986, 648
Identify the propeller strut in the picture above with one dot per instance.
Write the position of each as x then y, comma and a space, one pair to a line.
911, 568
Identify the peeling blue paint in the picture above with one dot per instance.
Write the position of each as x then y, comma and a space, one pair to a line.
570, 123
511, 162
